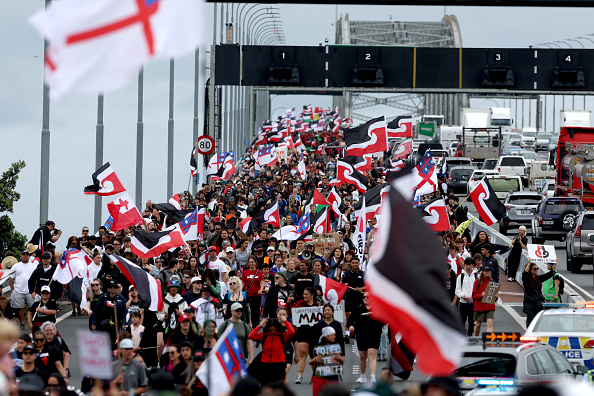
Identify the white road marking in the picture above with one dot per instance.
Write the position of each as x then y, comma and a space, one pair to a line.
585, 293
521, 321
511, 293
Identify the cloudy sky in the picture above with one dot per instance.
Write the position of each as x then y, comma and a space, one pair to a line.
73, 120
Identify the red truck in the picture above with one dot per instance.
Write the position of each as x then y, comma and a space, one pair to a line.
574, 161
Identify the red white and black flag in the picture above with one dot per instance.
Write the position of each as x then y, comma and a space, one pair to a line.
405, 279
124, 212
149, 288
401, 363
322, 221
272, 214
226, 170
435, 214
269, 214
153, 244
368, 138
400, 127
105, 182
488, 206
346, 173
373, 201
193, 163
404, 150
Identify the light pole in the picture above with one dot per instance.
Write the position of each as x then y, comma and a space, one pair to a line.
262, 28
271, 35
258, 17
585, 38
579, 42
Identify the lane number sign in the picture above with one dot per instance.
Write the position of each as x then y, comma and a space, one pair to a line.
205, 145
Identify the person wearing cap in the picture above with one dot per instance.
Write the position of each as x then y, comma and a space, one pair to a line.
215, 263
310, 247
104, 317
42, 276
327, 337
19, 286
132, 376
194, 294
483, 312
43, 310
487, 251
230, 260
515, 254
241, 329
169, 272
28, 356
173, 305
185, 331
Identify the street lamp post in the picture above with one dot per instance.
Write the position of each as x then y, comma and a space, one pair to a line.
262, 28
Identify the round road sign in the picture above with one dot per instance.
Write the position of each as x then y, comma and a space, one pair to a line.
206, 145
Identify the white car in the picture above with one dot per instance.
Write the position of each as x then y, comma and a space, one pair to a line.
477, 176
548, 190
571, 331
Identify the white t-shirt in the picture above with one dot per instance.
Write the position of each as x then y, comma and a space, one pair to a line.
22, 273
219, 265
93, 270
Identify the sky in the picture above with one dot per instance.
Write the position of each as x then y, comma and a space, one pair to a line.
73, 119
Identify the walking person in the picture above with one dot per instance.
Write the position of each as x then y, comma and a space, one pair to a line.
367, 332
328, 337
533, 298
19, 286
104, 317
251, 281
304, 336
515, 255
464, 285
483, 312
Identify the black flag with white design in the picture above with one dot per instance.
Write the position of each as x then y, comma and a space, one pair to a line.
346, 173
405, 279
400, 127
105, 182
488, 206
152, 244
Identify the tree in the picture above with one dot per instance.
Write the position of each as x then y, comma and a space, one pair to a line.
13, 240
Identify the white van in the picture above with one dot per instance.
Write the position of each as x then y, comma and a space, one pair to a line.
503, 184
512, 165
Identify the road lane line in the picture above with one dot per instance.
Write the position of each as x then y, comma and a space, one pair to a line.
591, 297
521, 321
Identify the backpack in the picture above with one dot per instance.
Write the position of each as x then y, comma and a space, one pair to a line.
561, 283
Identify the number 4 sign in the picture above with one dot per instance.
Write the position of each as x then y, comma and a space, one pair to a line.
542, 253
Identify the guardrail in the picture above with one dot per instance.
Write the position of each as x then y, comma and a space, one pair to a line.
497, 238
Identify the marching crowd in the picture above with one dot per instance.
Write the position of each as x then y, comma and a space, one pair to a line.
233, 276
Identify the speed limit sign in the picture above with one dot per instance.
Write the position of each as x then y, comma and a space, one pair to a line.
205, 145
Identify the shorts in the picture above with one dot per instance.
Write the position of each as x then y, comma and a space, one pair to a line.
18, 300
365, 343
482, 316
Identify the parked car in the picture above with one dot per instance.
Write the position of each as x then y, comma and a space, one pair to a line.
458, 177
489, 163
503, 184
511, 165
477, 176
550, 217
520, 208
571, 331
578, 244
514, 362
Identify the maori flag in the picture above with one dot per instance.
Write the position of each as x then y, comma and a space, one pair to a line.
488, 206
149, 288
105, 182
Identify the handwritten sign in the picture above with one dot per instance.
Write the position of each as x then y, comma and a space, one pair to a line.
309, 316
94, 354
328, 240
541, 253
491, 292
327, 367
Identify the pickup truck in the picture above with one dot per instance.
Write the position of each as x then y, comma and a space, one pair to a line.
512, 165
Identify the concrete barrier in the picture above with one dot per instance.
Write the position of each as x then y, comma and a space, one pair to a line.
476, 226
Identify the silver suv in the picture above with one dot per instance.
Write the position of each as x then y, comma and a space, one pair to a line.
520, 207
579, 246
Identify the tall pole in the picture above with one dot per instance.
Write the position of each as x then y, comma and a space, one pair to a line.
45, 145
98, 157
139, 140
170, 131
196, 108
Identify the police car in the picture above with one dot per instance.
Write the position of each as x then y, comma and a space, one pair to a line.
569, 329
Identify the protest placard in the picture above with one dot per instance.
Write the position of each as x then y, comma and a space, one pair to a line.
309, 316
327, 367
325, 241
491, 293
94, 354
541, 253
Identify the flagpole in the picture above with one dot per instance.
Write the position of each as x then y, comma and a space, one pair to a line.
115, 315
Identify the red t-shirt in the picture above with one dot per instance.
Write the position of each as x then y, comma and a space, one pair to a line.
247, 277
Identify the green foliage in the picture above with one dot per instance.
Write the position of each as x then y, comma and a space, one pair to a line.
13, 239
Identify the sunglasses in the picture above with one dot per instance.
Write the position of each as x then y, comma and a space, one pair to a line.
172, 353
95, 284
39, 339
45, 292
28, 353
187, 276
239, 310
232, 283
278, 277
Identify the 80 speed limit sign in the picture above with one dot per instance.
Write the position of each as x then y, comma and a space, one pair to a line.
205, 145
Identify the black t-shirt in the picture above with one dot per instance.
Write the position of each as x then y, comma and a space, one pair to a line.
42, 317
19, 373
57, 346
48, 358
516, 249
353, 279
301, 282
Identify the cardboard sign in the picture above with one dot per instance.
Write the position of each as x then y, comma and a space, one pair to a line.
282, 153
329, 240
95, 354
328, 367
541, 253
309, 316
491, 292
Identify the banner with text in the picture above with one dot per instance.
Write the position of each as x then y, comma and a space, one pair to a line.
309, 316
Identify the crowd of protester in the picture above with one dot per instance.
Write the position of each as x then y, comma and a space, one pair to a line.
229, 278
